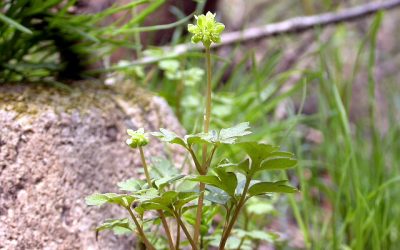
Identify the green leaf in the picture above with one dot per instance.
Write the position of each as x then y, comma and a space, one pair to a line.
96, 199
148, 206
163, 182
131, 185
207, 179
270, 187
170, 137
202, 138
242, 167
266, 157
257, 151
225, 136
169, 199
112, 198
217, 195
118, 226
159, 202
184, 198
230, 135
146, 195
162, 167
277, 163
166, 198
226, 181
15, 24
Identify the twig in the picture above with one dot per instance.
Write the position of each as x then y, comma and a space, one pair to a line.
299, 24
293, 25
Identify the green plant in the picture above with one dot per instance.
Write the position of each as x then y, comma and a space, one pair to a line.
43, 40
181, 78
224, 187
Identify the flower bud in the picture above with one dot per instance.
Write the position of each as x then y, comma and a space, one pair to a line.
207, 30
137, 138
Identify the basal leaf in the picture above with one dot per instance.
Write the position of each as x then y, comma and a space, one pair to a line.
270, 187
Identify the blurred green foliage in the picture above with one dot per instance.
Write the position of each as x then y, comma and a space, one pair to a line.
43, 40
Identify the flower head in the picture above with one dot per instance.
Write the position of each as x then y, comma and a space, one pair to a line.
207, 30
137, 138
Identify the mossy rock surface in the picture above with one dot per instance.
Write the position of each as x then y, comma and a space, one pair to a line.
58, 146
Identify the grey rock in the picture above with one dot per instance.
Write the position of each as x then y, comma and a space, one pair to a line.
56, 147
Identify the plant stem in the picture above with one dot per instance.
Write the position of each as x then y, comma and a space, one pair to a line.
178, 235
160, 212
227, 231
140, 231
146, 170
207, 118
199, 213
186, 231
166, 229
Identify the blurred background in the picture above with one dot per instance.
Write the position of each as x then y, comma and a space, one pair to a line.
331, 94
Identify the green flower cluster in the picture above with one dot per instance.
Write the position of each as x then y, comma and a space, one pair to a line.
207, 30
137, 138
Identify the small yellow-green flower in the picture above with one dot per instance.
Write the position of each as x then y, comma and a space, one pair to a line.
137, 138
207, 30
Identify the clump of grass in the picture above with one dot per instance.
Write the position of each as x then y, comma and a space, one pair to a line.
41, 40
